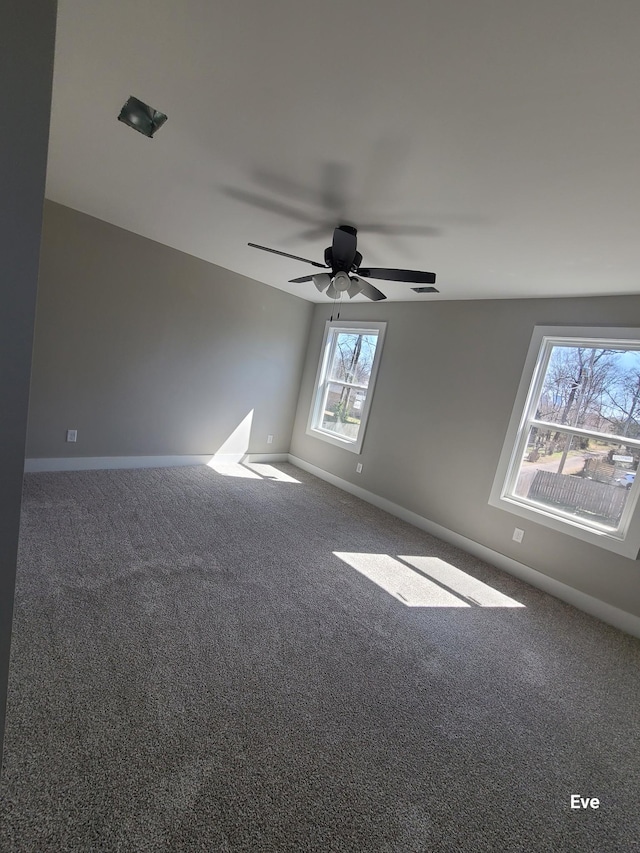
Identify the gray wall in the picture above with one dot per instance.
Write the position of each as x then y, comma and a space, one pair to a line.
27, 32
446, 387
148, 351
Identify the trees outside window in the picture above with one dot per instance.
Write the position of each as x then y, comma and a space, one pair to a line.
573, 445
345, 382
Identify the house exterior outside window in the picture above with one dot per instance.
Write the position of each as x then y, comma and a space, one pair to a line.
573, 443
345, 382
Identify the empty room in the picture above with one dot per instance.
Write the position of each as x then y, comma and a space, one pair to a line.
320, 364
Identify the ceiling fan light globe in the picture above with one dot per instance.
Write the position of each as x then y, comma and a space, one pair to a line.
322, 281
354, 288
341, 282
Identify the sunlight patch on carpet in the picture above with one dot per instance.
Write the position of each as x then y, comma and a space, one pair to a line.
460, 582
425, 581
268, 472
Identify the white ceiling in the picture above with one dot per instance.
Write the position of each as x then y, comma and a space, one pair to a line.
501, 136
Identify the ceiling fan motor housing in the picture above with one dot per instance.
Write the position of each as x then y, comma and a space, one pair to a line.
352, 267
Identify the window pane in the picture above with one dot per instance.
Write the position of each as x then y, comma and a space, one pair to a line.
343, 410
346, 376
589, 479
353, 358
592, 388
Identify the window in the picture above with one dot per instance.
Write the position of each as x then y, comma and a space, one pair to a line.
573, 444
344, 382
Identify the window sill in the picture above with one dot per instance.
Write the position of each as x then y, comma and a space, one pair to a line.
627, 547
344, 443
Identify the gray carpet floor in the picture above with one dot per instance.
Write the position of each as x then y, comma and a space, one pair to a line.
194, 669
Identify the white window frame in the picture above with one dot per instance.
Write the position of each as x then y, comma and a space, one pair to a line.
328, 345
626, 539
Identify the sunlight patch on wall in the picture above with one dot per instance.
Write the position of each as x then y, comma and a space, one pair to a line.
237, 445
228, 456
445, 586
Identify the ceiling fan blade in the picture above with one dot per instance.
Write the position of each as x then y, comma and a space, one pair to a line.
412, 276
368, 290
332, 189
400, 230
281, 209
302, 279
313, 233
287, 255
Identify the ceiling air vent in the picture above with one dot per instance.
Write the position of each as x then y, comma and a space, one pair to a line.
141, 117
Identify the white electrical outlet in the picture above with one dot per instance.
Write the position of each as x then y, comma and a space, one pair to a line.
359, 468
72, 435
518, 535
269, 439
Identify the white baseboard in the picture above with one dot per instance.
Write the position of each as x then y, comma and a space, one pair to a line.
266, 457
620, 619
236, 458
95, 463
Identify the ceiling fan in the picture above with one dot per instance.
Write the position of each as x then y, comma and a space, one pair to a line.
345, 276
